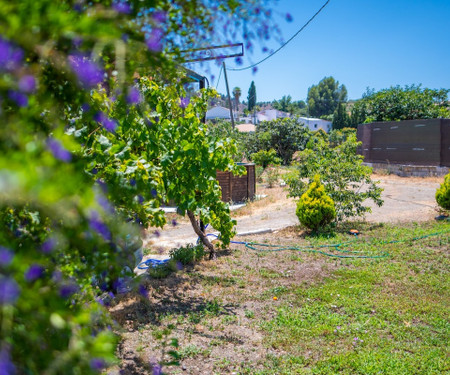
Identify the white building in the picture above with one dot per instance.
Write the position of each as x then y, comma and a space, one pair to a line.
219, 113
316, 123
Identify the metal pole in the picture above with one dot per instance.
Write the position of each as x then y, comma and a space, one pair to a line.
228, 92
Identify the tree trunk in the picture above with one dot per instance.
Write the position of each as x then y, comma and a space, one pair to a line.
202, 236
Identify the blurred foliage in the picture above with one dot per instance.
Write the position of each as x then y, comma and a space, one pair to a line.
96, 133
265, 158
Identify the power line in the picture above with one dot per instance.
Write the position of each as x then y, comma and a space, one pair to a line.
284, 45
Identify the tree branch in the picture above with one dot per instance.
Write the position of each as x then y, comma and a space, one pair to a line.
198, 232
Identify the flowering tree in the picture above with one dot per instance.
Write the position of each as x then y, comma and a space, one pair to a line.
95, 135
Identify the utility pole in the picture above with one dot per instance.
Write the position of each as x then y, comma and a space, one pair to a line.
228, 92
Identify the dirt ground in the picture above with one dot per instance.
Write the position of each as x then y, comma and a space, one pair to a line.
212, 311
405, 199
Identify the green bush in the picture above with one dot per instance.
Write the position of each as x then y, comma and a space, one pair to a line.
315, 209
265, 158
443, 194
188, 254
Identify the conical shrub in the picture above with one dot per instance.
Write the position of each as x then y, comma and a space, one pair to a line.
315, 209
443, 194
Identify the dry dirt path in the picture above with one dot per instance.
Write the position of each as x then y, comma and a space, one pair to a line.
405, 199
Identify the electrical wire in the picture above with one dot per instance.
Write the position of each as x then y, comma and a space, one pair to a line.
283, 45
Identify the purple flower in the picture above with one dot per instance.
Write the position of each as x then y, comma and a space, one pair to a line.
156, 369
10, 56
143, 291
34, 272
289, 17
88, 72
85, 107
179, 265
48, 245
140, 199
121, 7
254, 69
6, 366
20, 99
6, 256
104, 203
154, 40
67, 290
109, 124
160, 16
154, 193
58, 150
134, 96
156, 234
99, 226
27, 84
184, 102
9, 291
97, 364
174, 222
239, 60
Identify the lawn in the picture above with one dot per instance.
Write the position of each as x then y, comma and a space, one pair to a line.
291, 312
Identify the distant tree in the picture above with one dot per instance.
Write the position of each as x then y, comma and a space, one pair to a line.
285, 136
237, 94
401, 103
286, 104
324, 98
251, 96
340, 117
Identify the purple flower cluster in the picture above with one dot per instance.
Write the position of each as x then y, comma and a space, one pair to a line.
184, 102
134, 96
154, 40
6, 365
289, 17
48, 245
10, 56
88, 72
98, 226
67, 290
6, 256
27, 83
122, 6
108, 123
9, 291
97, 364
34, 272
58, 150
20, 99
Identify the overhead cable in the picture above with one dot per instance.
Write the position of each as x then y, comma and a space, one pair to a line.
283, 45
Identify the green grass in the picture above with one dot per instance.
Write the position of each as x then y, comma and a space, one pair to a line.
330, 315
373, 316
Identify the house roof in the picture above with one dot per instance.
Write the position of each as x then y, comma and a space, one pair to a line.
218, 112
246, 128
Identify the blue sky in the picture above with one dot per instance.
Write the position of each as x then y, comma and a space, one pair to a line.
361, 43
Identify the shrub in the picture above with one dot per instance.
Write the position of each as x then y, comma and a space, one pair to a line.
443, 194
188, 254
346, 180
265, 158
273, 174
315, 209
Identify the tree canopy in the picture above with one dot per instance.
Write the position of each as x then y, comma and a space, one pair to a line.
401, 103
324, 97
